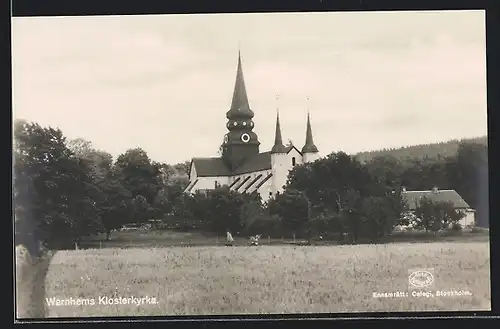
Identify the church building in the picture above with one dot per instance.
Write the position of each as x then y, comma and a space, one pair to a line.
242, 166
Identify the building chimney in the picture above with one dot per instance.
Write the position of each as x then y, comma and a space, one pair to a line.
434, 189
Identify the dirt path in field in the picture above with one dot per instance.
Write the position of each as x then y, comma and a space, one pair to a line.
30, 287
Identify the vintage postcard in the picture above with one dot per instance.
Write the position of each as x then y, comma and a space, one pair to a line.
245, 164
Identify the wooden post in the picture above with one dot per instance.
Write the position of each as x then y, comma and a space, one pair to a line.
269, 239
293, 237
100, 244
76, 246
217, 240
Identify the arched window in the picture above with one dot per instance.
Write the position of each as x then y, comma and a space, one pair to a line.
293, 161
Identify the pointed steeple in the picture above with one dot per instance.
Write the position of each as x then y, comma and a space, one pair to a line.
278, 140
309, 146
240, 142
240, 108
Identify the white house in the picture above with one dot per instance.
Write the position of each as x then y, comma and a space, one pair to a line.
242, 166
413, 198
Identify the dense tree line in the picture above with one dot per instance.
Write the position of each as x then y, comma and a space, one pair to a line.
336, 196
65, 190
424, 151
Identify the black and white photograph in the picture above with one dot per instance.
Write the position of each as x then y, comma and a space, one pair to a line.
249, 164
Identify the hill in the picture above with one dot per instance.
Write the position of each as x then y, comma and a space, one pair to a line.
434, 150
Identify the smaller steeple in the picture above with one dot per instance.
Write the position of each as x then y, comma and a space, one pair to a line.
278, 140
309, 146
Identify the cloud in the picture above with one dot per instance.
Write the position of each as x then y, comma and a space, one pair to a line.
280, 78
165, 83
112, 58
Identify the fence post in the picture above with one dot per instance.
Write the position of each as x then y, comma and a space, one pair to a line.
268, 239
217, 240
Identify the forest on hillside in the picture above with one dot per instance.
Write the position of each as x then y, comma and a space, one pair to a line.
433, 151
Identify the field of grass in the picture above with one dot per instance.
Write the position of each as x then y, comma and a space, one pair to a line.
169, 238
267, 279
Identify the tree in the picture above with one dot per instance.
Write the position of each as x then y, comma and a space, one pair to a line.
116, 209
398, 207
469, 175
169, 173
54, 192
169, 198
386, 171
80, 147
378, 217
333, 185
447, 215
349, 214
83, 197
162, 204
138, 174
252, 210
426, 216
224, 209
109, 195
100, 162
177, 198
435, 216
183, 168
294, 209
141, 209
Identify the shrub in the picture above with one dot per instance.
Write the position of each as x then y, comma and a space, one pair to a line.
456, 227
266, 225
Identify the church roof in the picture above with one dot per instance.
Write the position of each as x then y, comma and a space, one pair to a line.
413, 198
261, 161
292, 147
208, 167
211, 167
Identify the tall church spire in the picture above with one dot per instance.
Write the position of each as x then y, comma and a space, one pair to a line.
240, 108
309, 146
278, 140
241, 142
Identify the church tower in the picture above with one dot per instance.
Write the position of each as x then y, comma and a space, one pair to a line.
309, 151
279, 161
240, 143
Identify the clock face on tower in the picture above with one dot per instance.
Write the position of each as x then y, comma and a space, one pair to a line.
245, 138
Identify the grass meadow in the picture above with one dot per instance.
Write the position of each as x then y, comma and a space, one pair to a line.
209, 280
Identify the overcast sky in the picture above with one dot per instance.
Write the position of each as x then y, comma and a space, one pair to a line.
165, 82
